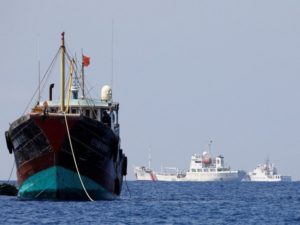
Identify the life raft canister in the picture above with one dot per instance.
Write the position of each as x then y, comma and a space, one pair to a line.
8, 142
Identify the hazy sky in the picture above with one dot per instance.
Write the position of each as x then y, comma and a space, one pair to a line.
185, 72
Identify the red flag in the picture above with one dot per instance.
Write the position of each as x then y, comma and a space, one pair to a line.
85, 60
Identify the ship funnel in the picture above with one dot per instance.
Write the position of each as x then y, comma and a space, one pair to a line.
50, 91
106, 93
75, 90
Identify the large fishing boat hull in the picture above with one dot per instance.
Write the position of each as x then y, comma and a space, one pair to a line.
45, 160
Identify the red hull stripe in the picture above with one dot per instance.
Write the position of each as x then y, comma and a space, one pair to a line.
54, 129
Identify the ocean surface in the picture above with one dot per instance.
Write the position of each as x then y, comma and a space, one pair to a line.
168, 203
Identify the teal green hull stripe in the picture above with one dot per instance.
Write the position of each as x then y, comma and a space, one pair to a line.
60, 183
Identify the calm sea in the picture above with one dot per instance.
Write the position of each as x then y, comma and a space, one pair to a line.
168, 203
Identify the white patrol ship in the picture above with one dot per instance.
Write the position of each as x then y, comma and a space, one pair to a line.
266, 172
205, 168
202, 168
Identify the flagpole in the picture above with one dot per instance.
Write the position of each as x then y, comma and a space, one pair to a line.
82, 74
39, 69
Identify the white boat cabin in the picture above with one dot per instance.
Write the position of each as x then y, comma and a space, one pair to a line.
103, 109
204, 163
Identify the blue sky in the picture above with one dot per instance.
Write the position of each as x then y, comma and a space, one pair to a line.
185, 72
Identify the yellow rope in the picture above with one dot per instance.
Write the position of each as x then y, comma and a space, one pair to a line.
70, 84
79, 176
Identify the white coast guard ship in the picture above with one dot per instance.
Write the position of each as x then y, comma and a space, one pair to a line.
202, 168
144, 173
167, 174
266, 172
170, 174
205, 168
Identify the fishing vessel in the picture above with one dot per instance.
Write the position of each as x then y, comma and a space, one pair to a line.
266, 172
69, 148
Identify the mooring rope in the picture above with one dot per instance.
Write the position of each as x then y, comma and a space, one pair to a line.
78, 173
128, 188
11, 171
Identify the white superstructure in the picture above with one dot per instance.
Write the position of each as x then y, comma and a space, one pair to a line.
266, 172
205, 168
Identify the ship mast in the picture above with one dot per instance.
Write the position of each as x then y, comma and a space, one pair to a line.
149, 159
82, 75
62, 72
209, 146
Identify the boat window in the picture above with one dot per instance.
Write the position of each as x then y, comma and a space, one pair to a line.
53, 110
193, 170
95, 114
74, 111
100, 115
106, 118
87, 113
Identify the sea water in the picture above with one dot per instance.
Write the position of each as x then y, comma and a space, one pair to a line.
168, 203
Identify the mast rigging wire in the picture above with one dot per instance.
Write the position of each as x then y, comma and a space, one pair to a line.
37, 89
11, 171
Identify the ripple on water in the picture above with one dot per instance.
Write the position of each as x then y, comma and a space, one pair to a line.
168, 203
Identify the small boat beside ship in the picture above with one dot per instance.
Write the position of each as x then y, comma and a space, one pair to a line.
266, 172
69, 148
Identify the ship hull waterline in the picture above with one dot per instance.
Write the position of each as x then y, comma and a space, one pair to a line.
60, 183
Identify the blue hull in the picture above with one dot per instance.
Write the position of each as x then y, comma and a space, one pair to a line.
59, 183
